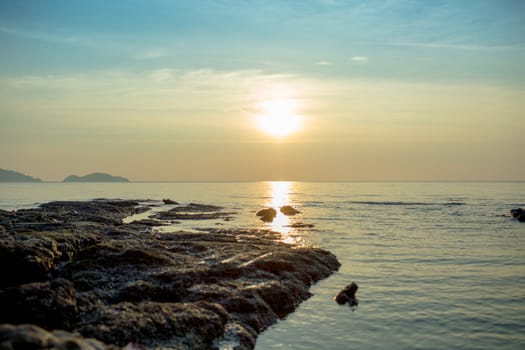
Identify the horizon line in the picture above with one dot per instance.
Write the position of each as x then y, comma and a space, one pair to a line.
253, 181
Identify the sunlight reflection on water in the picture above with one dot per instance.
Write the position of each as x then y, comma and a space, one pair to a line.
279, 195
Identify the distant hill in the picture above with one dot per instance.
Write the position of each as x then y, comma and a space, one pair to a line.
15, 176
95, 177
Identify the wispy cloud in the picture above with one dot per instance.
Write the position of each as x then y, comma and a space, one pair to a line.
323, 63
63, 37
456, 46
164, 87
163, 74
151, 54
359, 59
47, 37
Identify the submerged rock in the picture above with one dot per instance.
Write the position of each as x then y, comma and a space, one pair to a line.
169, 201
85, 271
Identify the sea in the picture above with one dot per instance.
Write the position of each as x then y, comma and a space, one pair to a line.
439, 265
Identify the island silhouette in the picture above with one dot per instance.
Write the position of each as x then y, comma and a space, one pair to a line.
15, 176
95, 177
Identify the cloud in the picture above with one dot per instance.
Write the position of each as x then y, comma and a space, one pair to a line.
166, 88
95, 41
151, 54
360, 59
323, 63
163, 74
454, 46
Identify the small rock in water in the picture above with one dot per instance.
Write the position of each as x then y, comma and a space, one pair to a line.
267, 214
169, 201
347, 295
289, 210
518, 214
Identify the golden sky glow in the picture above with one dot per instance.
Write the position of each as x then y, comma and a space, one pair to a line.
234, 90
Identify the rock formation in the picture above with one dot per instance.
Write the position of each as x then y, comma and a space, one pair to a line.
33, 337
74, 273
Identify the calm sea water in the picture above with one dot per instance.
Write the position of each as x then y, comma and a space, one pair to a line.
438, 266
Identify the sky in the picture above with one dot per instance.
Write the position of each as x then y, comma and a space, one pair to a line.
158, 90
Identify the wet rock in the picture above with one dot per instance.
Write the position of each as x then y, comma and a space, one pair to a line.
26, 257
194, 211
139, 290
87, 272
267, 214
49, 304
237, 336
191, 216
347, 295
169, 201
32, 337
289, 210
281, 296
148, 222
109, 212
194, 207
155, 324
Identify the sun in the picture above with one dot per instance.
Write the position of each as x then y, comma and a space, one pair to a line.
278, 118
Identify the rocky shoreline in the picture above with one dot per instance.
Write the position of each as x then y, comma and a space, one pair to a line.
74, 275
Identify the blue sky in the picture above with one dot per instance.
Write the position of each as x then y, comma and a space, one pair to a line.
404, 39
378, 80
